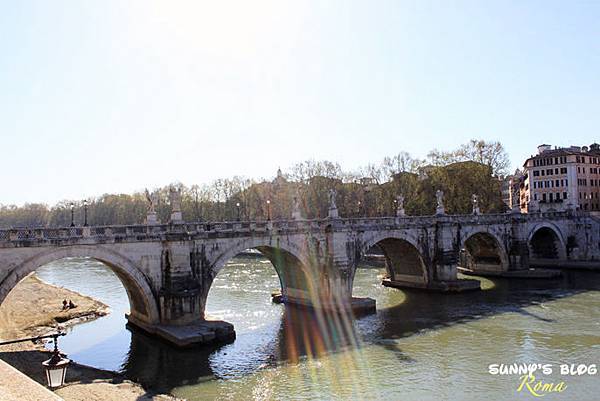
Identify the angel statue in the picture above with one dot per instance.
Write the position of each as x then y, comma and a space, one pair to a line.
475, 201
439, 196
175, 199
332, 195
152, 199
400, 205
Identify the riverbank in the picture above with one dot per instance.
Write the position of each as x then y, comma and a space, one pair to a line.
34, 308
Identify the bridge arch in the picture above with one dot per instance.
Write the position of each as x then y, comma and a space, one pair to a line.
289, 261
546, 241
483, 250
404, 259
141, 298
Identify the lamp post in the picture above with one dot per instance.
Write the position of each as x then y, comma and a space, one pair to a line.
395, 207
72, 215
56, 366
85, 210
359, 211
238, 210
268, 209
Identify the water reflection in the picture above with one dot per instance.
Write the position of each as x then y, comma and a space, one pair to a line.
424, 338
301, 333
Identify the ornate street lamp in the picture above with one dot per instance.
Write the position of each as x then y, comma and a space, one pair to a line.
238, 210
85, 210
72, 215
268, 209
56, 366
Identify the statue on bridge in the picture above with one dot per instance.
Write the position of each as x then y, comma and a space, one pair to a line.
175, 201
475, 201
400, 206
296, 213
439, 195
152, 199
333, 210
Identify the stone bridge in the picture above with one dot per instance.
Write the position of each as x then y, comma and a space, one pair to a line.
168, 270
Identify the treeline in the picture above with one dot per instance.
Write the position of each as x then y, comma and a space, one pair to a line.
474, 168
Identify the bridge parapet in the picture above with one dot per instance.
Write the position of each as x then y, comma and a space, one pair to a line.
134, 233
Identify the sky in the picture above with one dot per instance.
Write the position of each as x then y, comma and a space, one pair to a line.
114, 96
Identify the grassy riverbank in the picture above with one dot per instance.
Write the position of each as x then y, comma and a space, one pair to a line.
35, 307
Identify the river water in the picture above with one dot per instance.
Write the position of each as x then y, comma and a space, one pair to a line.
418, 346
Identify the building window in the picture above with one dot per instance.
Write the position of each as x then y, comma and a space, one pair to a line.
557, 183
536, 173
558, 196
564, 195
563, 170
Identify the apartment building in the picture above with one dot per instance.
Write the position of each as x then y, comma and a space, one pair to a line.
561, 178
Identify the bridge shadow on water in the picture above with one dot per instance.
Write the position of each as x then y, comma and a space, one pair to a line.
421, 311
304, 334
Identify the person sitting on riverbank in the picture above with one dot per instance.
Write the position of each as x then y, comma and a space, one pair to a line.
65, 305
72, 305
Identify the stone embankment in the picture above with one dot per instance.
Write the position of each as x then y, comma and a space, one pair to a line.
35, 308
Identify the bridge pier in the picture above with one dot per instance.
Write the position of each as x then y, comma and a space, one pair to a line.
443, 279
182, 320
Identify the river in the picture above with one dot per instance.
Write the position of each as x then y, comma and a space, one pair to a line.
418, 346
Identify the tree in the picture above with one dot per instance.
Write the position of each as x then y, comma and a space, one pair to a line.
473, 168
491, 154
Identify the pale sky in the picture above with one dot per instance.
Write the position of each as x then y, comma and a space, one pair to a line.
114, 96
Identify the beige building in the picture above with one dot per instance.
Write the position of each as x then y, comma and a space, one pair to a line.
561, 178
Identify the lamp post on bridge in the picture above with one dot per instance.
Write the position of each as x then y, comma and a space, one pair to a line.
72, 215
85, 211
268, 209
238, 210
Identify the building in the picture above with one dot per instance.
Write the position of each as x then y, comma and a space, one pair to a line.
561, 178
